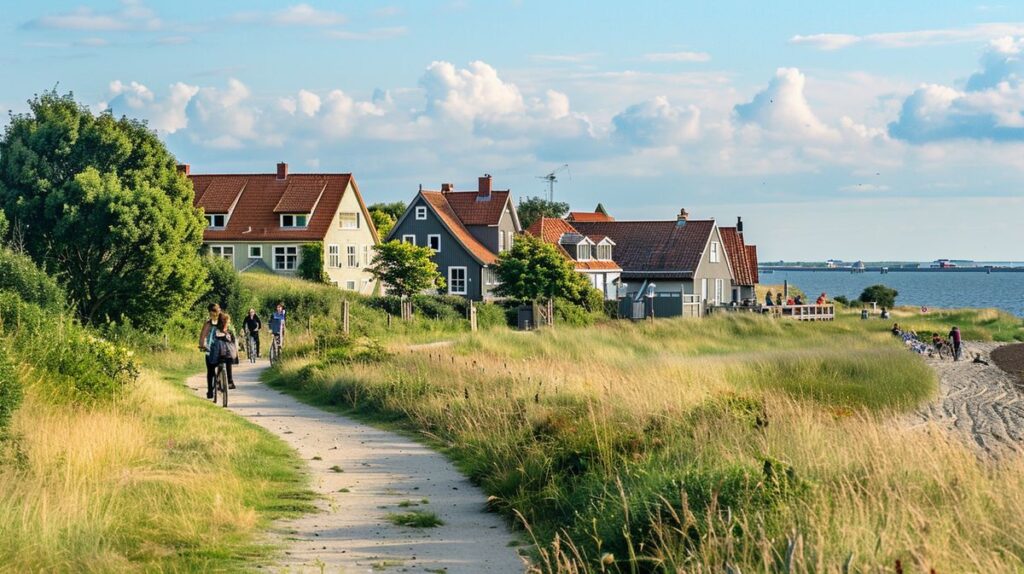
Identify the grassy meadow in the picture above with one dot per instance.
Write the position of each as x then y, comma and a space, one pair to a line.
689, 446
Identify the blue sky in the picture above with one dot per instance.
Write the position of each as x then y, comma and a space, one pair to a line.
876, 130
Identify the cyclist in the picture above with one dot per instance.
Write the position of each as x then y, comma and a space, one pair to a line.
223, 334
277, 322
251, 326
206, 339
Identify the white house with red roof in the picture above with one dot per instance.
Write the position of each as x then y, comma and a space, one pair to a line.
263, 220
591, 255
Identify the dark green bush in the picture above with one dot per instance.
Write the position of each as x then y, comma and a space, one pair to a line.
842, 300
450, 307
226, 289
568, 313
490, 315
19, 274
10, 390
311, 267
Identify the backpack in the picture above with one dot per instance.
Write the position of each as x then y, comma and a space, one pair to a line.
227, 349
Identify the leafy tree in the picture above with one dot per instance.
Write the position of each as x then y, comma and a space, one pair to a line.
99, 203
225, 288
534, 270
533, 208
395, 209
383, 221
311, 268
405, 268
4, 225
884, 296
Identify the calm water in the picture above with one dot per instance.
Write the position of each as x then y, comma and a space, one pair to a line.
1000, 290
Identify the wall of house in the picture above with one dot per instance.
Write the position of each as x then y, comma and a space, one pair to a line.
604, 282
344, 275
709, 271
451, 254
241, 259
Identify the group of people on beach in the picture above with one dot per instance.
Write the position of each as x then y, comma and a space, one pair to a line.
790, 301
953, 343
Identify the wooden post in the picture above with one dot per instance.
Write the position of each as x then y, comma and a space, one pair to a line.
344, 317
472, 316
389, 320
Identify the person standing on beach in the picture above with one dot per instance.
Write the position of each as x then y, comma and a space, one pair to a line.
778, 299
768, 299
957, 342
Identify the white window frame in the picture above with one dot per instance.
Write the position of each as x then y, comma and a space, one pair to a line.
286, 254
465, 281
211, 220
719, 291
226, 252
714, 257
432, 237
409, 239
581, 255
352, 255
295, 219
333, 256
351, 285
255, 252
342, 221
366, 255
510, 240
421, 213
501, 241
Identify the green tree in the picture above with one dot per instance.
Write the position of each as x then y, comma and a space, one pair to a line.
311, 267
4, 226
884, 296
383, 221
534, 270
224, 288
533, 208
98, 202
405, 269
395, 209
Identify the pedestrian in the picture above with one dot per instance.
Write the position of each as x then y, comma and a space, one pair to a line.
822, 299
778, 298
768, 299
957, 341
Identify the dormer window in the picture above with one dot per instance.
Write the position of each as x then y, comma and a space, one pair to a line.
216, 220
583, 252
294, 220
604, 252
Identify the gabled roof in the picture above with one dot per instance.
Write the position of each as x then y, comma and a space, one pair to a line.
471, 209
440, 205
588, 217
739, 259
258, 200
655, 248
551, 231
752, 262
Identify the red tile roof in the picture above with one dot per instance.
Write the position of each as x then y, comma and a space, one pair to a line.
551, 230
752, 262
739, 257
473, 210
440, 204
260, 197
589, 217
654, 248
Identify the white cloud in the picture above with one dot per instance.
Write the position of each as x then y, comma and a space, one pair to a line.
166, 115
468, 93
914, 38
826, 41
373, 34
132, 15
657, 122
782, 110
302, 15
678, 57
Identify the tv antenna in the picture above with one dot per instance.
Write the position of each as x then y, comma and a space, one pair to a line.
552, 177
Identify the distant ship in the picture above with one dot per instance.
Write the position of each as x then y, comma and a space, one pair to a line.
951, 264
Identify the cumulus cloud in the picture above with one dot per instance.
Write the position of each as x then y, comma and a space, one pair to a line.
991, 107
132, 15
166, 115
657, 122
678, 57
468, 93
782, 110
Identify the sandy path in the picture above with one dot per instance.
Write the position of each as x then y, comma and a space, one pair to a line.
980, 403
380, 469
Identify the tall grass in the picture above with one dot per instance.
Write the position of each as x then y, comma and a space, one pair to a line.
689, 446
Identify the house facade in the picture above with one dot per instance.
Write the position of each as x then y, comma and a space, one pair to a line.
467, 231
593, 256
263, 220
743, 260
683, 263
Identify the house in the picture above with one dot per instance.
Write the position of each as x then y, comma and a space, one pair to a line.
743, 260
591, 255
682, 263
466, 229
263, 220
599, 214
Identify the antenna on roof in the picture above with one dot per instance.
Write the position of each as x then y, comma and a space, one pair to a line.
551, 178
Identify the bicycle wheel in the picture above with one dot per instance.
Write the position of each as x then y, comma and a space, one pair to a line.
222, 381
216, 383
251, 352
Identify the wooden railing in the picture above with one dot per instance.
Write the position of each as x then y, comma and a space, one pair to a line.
804, 312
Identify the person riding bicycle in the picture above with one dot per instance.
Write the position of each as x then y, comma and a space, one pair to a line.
208, 343
252, 325
220, 352
277, 323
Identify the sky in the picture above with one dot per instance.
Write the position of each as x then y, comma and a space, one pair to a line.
868, 130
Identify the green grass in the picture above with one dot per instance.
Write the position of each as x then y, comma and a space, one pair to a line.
415, 519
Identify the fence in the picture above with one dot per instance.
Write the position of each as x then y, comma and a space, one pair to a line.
804, 312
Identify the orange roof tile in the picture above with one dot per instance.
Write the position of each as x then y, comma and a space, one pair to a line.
474, 210
588, 217
301, 195
739, 257
439, 202
551, 231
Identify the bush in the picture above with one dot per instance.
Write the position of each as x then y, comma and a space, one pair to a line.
226, 288
311, 267
19, 274
884, 296
571, 314
842, 300
10, 390
490, 315
442, 307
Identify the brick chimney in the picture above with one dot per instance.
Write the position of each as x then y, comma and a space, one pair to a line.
739, 226
184, 169
447, 187
483, 190
683, 217
282, 170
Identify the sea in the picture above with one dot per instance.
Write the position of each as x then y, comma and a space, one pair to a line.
945, 289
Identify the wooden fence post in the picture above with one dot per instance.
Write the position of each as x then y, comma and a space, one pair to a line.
344, 317
472, 316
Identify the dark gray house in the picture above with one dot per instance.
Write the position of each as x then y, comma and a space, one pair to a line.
466, 229
684, 263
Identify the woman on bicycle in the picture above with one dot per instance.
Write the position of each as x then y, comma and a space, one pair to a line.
223, 334
252, 326
277, 322
207, 336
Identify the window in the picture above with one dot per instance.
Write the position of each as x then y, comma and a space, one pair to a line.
223, 251
333, 259
421, 212
350, 285
604, 252
719, 291
366, 255
352, 255
501, 241
255, 252
409, 239
510, 239
714, 252
457, 281
348, 220
216, 220
294, 220
286, 257
434, 242
583, 252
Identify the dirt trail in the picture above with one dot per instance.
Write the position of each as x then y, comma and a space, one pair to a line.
981, 403
364, 474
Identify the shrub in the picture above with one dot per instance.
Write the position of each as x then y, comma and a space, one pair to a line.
571, 314
10, 390
842, 300
311, 267
226, 288
884, 296
490, 315
19, 274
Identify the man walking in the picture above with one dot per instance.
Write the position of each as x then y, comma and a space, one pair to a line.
957, 342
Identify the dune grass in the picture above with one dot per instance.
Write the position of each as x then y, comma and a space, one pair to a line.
154, 481
686, 446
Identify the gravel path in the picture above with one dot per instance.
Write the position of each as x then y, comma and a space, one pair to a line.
364, 474
981, 403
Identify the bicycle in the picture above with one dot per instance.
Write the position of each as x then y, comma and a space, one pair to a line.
220, 384
250, 347
275, 349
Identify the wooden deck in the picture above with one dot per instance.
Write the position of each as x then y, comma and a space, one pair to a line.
804, 312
